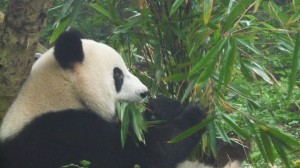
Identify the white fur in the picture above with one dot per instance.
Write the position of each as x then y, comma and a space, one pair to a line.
195, 164
89, 84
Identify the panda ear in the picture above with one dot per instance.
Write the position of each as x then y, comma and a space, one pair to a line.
68, 49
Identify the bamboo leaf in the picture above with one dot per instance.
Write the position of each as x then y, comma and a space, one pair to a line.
257, 139
235, 127
207, 8
188, 90
249, 46
222, 133
294, 18
269, 26
295, 64
76, 8
178, 31
212, 138
275, 11
69, 13
267, 146
228, 63
245, 71
176, 77
239, 89
207, 71
137, 123
235, 13
210, 54
124, 126
259, 71
191, 131
175, 6
284, 138
100, 10
62, 26
200, 36
281, 152
66, 9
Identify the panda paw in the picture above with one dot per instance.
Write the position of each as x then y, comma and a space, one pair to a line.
163, 108
167, 109
193, 114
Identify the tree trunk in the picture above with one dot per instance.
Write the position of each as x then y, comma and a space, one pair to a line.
19, 35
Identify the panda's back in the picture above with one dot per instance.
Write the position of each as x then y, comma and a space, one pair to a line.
56, 139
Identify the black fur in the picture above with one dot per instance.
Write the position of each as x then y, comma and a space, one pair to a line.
56, 139
119, 79
228, 152
68, 49
163, 108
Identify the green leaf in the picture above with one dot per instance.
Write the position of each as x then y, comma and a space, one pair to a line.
125, 119
207, 7
257, 139
175, 6
282, 137
228, 63
69, 13
222, 133
239, 89
267, 146
270, 27
66, 9
245, 71
210, 54
212, 138
281, 152
191, 131
258, 70
235, 127
235, 13
62, 26
101, 10
295, 64
76, 8
207, 71
137, 123
294, 18
178, 31
188, 90
249, 46
176, 77
85, 163
199, 36
276, 11
253, 104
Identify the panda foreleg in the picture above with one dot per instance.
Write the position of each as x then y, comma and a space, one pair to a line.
158, 152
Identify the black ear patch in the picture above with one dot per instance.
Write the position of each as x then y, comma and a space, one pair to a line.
68, 49
119, 78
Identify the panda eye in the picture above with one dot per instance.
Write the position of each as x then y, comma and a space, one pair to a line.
118, 78
118, 74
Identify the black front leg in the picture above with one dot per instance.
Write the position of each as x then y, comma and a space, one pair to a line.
158, 153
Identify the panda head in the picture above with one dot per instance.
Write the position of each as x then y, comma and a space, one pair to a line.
96, 73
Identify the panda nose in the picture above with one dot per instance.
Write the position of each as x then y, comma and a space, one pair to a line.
144, 94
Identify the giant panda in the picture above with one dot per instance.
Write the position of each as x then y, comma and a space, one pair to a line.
65, 113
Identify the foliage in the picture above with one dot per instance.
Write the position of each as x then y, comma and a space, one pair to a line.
82, 164
238, 58
131, 117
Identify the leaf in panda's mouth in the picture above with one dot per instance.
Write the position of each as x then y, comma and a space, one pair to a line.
132, 121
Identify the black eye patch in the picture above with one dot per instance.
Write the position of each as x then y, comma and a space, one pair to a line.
119, 78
